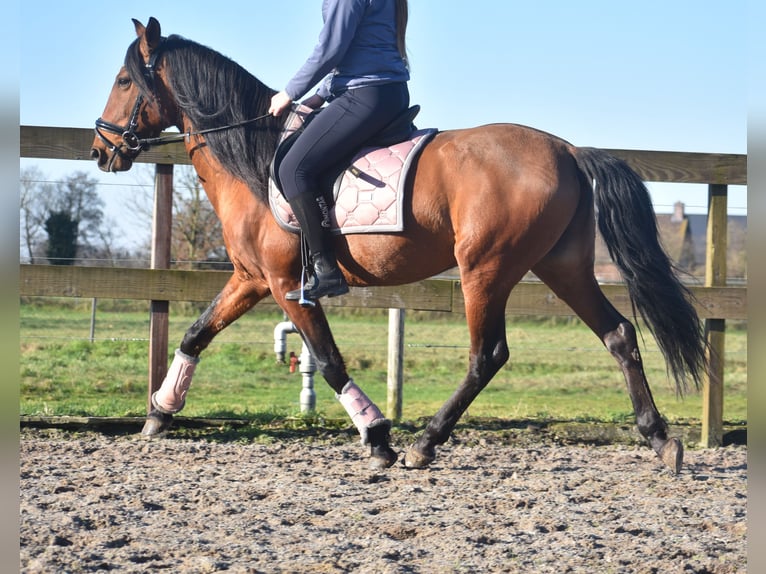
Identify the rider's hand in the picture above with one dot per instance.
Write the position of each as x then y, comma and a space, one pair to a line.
279, 103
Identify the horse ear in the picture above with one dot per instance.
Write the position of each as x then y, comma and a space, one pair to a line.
140, 30
153, 33
150, 35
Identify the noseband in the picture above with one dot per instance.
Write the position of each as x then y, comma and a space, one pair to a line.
130, 139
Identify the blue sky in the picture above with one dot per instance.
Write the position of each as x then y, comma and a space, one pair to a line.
653, 75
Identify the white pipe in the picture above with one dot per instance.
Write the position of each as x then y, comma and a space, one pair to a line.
307, 366
280, 338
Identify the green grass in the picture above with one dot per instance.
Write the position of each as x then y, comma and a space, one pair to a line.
558, 369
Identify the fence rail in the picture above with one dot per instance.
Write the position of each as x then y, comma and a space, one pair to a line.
528, 298
673, 167
716, 301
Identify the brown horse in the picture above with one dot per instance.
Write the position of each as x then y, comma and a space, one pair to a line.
496, 201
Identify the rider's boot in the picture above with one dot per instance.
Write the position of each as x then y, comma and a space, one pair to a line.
327, 279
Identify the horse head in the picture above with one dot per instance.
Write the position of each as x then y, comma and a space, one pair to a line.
135, 111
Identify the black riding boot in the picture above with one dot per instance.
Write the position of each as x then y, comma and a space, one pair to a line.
327, 279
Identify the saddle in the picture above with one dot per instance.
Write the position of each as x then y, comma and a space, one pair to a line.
365, 190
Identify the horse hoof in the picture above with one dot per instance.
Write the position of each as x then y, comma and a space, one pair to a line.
417, 459
382, 458
156, 423
672, 454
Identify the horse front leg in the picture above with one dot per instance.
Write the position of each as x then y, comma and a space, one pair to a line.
374, 429
236, 298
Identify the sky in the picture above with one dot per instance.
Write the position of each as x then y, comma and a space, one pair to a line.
652, 75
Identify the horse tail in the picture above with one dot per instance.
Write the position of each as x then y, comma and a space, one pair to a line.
628, 225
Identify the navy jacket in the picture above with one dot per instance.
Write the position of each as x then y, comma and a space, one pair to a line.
356, 47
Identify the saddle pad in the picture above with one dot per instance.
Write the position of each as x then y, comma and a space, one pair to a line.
368, 194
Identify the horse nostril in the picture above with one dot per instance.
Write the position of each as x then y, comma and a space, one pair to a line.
95, 153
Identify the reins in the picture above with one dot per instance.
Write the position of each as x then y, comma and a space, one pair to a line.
145, 143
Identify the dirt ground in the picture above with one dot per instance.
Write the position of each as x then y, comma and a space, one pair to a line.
93, 502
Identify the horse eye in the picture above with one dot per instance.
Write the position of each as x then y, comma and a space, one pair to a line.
123, 82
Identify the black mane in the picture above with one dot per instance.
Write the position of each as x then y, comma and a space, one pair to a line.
214, 91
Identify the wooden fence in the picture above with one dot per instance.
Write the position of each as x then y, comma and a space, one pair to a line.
716, 301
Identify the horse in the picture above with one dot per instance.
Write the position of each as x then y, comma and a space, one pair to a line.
495, 201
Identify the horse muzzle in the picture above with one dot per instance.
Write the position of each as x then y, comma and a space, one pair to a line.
110, 156
110, 159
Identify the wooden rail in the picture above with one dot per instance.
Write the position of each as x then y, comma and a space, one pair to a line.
527, 298
716, 301
673, 167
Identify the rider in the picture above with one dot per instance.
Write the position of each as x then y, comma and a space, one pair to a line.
361, 55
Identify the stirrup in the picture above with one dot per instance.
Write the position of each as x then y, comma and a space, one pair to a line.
300, 294
308, 297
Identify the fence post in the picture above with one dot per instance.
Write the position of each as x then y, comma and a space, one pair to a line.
162, 220
395, 364
715, 276
93, 304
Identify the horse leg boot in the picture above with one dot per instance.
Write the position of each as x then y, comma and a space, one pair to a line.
171, 397
373, 427
327, 279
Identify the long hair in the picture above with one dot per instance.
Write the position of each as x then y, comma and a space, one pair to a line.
402, 15
214, 91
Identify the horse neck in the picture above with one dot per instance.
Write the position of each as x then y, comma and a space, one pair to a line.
252, 235
225, 192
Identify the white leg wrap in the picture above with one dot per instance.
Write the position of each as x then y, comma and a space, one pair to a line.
360, 408
171, 397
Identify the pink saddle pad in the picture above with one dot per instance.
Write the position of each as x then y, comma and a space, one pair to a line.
369, 193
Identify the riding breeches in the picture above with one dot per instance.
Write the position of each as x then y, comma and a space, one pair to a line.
342, 128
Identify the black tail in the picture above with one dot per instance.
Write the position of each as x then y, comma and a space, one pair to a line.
628, 225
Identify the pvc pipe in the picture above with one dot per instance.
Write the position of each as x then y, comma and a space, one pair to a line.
280, 338
306, 365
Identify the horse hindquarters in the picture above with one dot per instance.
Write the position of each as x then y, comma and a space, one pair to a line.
513, 216
628, 226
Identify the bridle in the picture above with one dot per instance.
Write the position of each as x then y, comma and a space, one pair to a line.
131, 142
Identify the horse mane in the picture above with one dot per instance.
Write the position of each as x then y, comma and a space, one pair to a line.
214, 91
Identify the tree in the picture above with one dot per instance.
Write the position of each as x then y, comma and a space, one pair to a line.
32, 194
62, 238
196, 238
69, 212
77, 196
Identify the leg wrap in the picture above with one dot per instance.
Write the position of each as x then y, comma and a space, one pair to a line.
360, 408
171, 397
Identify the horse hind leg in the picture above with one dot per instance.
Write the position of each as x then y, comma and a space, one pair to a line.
582, 293
623, 345
489, 352
237, 297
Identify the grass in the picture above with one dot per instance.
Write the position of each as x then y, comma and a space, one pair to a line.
558, 369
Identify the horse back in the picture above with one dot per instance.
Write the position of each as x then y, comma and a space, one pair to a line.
501, 170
